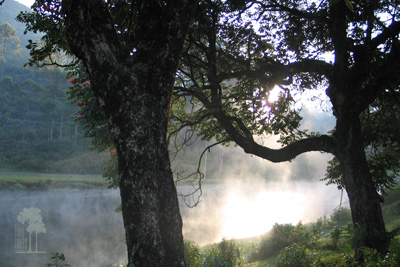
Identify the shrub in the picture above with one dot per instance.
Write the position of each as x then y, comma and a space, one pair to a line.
372, 258
335, 236
56, 259
281, 236
192, 254
341, 216
225, 254
336, 260
294, 256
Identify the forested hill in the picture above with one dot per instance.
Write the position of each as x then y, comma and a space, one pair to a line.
15, 61
37, 129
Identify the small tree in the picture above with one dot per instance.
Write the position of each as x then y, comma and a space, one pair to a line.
34, 219
8, 39
37, 228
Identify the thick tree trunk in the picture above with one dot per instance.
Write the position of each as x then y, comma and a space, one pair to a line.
364, 200
149, 201
135, 92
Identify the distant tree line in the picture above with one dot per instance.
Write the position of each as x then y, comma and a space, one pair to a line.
37, 125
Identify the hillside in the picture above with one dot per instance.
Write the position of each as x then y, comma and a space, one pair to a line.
37, 126
14, 62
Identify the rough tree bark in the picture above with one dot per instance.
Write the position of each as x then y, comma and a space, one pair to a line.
350, 97
134, 89
364, 200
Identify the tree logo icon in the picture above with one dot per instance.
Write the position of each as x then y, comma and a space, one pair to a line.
34, 224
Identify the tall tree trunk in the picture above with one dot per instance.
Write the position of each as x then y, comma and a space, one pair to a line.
30, 242
149, 200
51, 130
61, 125
36, 241
75, 134
135, 95
364, 199
349, 100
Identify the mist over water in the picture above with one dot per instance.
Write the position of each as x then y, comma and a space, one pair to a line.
239, 210
84, 226
81, 224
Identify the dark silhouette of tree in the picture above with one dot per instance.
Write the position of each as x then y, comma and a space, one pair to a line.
230, 67
130, 51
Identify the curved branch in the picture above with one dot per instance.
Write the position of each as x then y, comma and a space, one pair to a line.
323, 143
307, 65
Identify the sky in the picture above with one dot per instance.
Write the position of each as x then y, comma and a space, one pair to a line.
27, 3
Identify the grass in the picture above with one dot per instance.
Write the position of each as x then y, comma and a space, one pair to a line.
12, 180
39, 181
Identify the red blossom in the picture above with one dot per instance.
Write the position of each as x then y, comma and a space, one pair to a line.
86, 83
80, 104
112, 151
80, 113
71, 80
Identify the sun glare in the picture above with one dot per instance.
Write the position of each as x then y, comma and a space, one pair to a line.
274, 94
245, 216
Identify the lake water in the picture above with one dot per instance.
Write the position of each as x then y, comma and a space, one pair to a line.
84, 226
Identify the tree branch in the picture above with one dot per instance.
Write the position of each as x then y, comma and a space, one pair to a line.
307, 65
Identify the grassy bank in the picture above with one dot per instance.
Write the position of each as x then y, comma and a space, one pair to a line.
39, 181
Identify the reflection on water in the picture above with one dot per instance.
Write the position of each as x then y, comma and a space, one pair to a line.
84, 226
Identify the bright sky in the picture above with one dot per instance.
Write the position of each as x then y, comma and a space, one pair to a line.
27, 3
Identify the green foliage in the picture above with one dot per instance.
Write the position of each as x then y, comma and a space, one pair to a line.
225, 254
57, 260
334, 260
37, 130
192, 254
322, 253
295, 255
380, 128
341, 216
284, 235
372, 258
335, 235
8, 38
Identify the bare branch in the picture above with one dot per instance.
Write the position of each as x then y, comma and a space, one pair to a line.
199, 176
